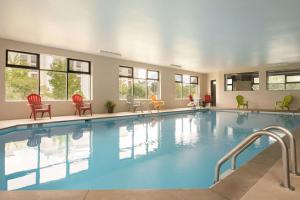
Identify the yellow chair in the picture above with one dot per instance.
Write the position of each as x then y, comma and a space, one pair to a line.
156, 103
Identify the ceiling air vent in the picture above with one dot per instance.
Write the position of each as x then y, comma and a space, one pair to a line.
177, 66
110, 53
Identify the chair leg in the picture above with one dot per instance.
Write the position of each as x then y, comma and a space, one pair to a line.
91, 112
30, 115
50, 114
42, 114
34, 115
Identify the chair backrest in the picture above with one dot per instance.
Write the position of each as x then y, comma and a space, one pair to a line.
153, 98
34, 99
207, 98
77, 99
191, 98
240, 99
287, 100
130, 99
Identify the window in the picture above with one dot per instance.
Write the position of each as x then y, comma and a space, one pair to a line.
283, 80
186, 85
53, 77
242, 81
138, 82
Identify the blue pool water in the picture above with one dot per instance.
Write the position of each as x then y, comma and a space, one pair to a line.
158, 152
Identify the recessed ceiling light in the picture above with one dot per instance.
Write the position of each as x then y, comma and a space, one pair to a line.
110, 53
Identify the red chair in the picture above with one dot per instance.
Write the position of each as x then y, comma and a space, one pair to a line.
80, 105
207, 100
191, 98
35, 103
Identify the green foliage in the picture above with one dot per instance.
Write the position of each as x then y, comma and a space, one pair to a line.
19, 82
110, 104
22, 82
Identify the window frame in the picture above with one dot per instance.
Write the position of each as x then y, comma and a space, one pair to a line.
284, 73
39, 69
78, 72
22, 66
254, 75
146, 79
190, 84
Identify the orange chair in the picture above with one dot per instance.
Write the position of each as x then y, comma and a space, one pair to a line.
36, 106
80, 105
156, 103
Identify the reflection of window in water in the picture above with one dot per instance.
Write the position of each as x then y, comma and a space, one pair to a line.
18, 152
186, 131
138, 140
50, 158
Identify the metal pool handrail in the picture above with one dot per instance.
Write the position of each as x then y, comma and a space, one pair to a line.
248, 141
292, 142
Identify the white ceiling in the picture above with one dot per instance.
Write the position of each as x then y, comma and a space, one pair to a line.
201, 35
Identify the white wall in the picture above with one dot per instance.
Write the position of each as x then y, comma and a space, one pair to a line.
105, 77
262, 99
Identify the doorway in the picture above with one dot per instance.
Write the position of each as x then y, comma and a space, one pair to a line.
213, 92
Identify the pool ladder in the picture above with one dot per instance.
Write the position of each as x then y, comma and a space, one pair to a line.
270, 132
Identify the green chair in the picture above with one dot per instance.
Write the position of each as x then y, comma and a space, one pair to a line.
287, 100
241, 102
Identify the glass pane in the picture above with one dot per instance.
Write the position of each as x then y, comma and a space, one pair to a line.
79, 144
153, 75
140, 140
22, 59
186, 91
276, 86
229, 81
54, 172
256, 80
125, 88
178, 90
79, 84
51, 62
293, 86
186, 79
178, 78
79, 66
125, 71
255, 87
125, 142
19, 83
140, 73
229, 88
53, 150
194, 79
21, 182
276, 79
293, 78
19, 152
140, 89
53, 85
194, 91
153, 89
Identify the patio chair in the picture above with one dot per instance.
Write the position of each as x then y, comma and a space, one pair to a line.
80, 106
133, 105
156, 103
241, 102
285, 103
207, 100
36, 106
192, 103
